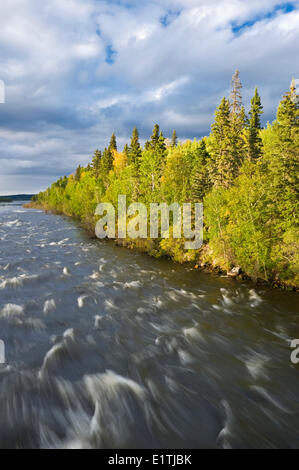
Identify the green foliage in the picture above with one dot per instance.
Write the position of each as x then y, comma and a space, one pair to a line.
96, 163
106, 162
246, 176
254, 140
78, 173
135, 151
225, 145
112, 145
174, 139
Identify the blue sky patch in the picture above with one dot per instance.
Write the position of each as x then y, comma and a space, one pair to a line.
170, 16
110, 54
287, 7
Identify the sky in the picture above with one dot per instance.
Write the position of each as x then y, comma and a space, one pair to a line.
77, 70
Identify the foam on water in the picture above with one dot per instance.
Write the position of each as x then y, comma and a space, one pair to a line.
49, 305
12, 310
109, 348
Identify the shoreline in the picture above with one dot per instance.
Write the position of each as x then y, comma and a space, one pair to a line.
206, 264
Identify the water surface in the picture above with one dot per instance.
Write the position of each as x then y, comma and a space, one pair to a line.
108, 348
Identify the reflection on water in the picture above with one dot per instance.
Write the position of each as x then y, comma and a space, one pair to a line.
112, 349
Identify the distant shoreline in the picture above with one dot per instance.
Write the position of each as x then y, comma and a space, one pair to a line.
16, 197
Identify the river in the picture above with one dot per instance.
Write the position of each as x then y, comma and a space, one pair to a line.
109, 348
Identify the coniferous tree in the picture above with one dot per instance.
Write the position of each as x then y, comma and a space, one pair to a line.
78, 173
200, 182
288, 114
286, 140
220, 166
147, 145
174, 139
237, 123
126, 151
236, 94
251, 212
155, 136
135, 151
112, 145
254, 127
161, 146
96, 163
106, 162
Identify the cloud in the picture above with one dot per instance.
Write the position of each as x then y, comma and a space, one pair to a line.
77, 70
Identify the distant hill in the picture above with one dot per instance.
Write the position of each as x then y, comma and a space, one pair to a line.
16, 197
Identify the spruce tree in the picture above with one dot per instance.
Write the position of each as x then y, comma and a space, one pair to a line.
147, 145
254, 140
286, 129
96, 163
135, 151
237, 124
112, 145
220, 168
126, 151
200, 182
161, 146
236, 94
106, 162
174, 139
78, 173
155, 136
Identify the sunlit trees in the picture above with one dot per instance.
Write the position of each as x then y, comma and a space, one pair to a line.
200, 181
236, 94
112, 144
174, 139
246, 176
222, 167
135, 151
106, 162
254, 128
96, 163
78, 173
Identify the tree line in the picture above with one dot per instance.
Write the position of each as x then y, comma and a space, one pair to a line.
245, 175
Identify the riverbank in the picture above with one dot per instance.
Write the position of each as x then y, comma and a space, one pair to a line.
200, 260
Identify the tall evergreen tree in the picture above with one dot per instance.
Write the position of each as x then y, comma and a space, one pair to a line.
254, 127
174, 139
237, 123
147, 145
200, 182
113, 145
106, 162
155, 136
221, 169
236, 93
126, 151
161, 146
96, 163
135, 151
78, 173
286, 143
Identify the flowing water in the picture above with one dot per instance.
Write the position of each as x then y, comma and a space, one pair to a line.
109, 348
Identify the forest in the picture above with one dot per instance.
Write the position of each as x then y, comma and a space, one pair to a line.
245, 175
